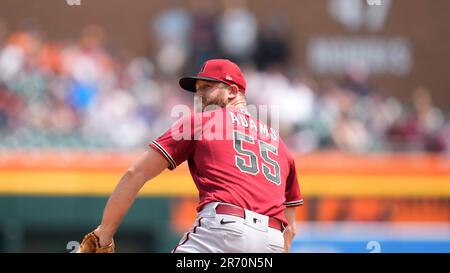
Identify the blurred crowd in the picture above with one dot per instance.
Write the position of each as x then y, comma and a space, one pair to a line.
76, 94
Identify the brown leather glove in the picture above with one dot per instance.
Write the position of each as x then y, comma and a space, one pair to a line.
91, 244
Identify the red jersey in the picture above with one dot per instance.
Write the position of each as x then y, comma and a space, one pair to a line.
233, 158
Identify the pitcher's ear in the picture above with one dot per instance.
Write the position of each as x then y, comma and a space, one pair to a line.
234, 90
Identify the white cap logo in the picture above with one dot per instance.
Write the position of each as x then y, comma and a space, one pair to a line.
228, 78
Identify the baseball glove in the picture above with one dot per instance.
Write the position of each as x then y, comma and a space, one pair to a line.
91, 244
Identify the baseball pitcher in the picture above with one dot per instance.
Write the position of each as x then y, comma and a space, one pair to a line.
245, 175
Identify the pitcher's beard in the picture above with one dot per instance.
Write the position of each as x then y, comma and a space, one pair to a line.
201, 104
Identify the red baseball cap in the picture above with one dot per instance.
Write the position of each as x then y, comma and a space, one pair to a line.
218, 70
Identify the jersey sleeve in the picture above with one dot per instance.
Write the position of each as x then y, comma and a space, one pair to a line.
292, 192
177, 144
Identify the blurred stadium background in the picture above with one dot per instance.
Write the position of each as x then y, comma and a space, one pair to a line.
364, 92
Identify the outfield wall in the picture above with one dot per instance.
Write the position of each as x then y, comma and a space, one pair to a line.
49, 199
320, 174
